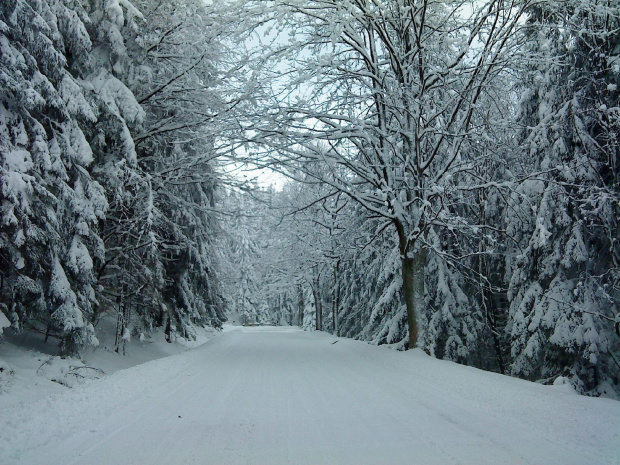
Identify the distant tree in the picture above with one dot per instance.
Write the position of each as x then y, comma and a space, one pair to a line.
384, 96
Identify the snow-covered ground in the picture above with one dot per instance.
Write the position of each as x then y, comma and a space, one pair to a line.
30, 370
279, 396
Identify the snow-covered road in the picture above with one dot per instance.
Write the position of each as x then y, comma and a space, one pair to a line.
278, 396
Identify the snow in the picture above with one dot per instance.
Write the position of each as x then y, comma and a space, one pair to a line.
68, 313
18, 160
115, 12
34, 373
118, 97
271, 395
79, 258
4, 322
74, 99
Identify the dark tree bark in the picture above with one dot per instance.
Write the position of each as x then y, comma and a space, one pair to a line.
318, 324
300, 291
412, 270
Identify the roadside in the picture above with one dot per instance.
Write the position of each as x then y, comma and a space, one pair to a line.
278, 395
30, 370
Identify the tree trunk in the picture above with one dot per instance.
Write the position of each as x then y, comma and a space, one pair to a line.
168, 330
300, 291
119, 323
318, 323
413, 281
289, 308
497, 344
336, 298
487, 298
413, 290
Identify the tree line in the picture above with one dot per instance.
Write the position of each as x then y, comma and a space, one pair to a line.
456, 168
453, 166
110, 113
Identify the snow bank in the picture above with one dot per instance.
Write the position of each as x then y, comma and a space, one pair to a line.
4, 322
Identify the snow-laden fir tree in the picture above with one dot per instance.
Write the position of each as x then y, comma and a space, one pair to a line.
562, 278
452, 323
249, 262
51, 205
160, 233
106, 203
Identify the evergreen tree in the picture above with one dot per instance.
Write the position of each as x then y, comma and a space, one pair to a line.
160, 233
562, 303
51, 205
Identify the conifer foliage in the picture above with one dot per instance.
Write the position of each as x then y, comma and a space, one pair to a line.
563, 285
86, 225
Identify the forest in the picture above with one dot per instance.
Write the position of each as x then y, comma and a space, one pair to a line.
447, 174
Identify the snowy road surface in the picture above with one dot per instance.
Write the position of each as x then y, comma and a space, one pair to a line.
280, 396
